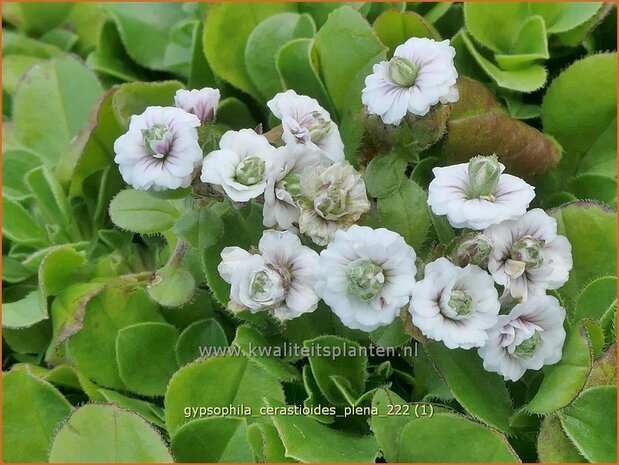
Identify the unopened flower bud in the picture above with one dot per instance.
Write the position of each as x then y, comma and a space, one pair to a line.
250, 171
473, 248
484, 173
319, 128
203, 103
402, 71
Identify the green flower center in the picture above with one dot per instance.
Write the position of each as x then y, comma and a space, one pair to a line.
250, 171
157, 140
461, 303
331, 202
264, 286
292, 184
527, 348
403, 71
365, 279
484, 173
528, 250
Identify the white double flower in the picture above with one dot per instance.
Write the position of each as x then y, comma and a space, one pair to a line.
366, 275
240, 166
160, 150
528, 338
478, 194
528, 256
306, 123
420, 75
455, 305
279, 279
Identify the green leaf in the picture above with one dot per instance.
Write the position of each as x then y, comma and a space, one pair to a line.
386, 426
32, 410
137, 211
264, 43
327, 444
49, 195
591, 230
266, 444
481, 393
31, 340
590, 422
50, 105
58, 268
392, 335
234, 114
256, 347
111, 58
339, 64
563, 381
231, 380
146, 32
529, 46
562, 17
67, 315
597, 299
406, 213
38, 18
212, 440
107, 433
202, 333
423, 440
225, 52
526, 80
394, 28
200, 227
19, 226
495, 25
200, 74
553, 445
604, 370
93, 347
384, 175
15, 165
25, 312
133, 98
591, 108
146, 357
351, 370
298, 68
172, 286
148, 411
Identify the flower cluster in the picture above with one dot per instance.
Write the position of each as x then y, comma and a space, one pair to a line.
519, 250
368, 276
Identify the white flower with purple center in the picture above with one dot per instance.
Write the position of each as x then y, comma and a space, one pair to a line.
528, 255
420, 75
528, 338
200, 102
279, 279
240, 166
160, 150
455, 305
305, 122
366, 276
478, 194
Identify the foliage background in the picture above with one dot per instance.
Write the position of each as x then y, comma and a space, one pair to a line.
84, 344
